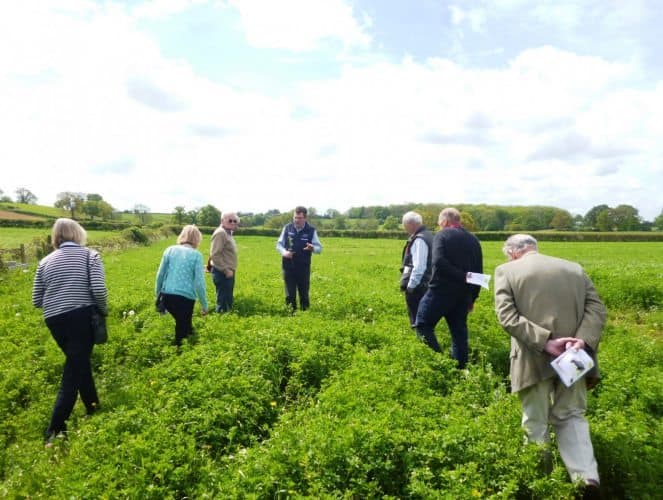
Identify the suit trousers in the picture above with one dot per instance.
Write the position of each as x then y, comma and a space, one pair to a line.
73, 333
550, 401
437, 304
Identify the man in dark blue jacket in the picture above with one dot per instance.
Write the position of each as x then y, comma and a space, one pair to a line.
298, 241
456, 252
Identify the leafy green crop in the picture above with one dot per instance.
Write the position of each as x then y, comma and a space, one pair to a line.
341, 401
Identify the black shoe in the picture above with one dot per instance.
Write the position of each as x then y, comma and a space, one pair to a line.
591, 490
92, 409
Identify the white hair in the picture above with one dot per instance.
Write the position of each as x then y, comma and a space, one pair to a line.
227, 215
519, 242
412, 217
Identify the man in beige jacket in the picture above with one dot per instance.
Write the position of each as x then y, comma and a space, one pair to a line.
223, 260
549, 305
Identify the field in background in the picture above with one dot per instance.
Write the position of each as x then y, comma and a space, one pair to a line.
341, 400
24, 211
12, 237
35, 210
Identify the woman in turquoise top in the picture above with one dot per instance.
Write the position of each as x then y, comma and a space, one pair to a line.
181, 279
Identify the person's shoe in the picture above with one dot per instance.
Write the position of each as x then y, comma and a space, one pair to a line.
591, 490
52, 437
92, 409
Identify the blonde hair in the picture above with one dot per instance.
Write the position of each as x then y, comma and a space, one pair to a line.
190, 234
67, 230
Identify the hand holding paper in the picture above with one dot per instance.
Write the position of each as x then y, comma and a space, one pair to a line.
478, 279
571, 365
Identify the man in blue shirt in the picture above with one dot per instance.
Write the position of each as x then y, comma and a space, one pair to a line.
416, 262
298, 241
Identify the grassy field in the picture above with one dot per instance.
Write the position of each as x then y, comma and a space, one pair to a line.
37, 210
341, 401
14, 211
12, 237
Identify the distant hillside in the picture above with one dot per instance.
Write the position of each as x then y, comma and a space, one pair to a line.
14, 211
8, 215
24, 211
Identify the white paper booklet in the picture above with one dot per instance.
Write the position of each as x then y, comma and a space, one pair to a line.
571, 365
478, 279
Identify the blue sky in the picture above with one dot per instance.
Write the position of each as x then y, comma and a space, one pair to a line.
252, 105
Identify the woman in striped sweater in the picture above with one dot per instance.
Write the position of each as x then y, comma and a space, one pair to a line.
69, 283
181, 279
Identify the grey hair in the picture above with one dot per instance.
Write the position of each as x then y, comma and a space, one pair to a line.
65, 229
449, 214
412, 217
518, 242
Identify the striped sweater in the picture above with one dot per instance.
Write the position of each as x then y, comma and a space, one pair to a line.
61, 281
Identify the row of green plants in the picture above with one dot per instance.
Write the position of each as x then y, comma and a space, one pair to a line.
339, 401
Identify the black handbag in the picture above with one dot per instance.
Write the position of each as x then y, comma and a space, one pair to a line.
97, 320
99, 329
161, 304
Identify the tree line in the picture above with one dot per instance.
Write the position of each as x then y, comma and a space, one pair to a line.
476, 217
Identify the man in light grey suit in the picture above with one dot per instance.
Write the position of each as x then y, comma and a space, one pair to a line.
549, 305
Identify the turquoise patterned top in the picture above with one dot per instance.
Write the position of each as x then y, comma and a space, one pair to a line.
181, 273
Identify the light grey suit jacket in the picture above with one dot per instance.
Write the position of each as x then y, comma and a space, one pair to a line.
538, 297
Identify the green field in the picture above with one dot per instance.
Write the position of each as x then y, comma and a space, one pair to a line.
13, 237
37, 210
341, 401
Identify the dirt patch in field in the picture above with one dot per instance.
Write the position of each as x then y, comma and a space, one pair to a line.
4, 214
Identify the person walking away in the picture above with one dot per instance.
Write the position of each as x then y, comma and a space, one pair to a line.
415, 263
69, 283
549, 305
456, 252
296, 244
223, 260
181, 279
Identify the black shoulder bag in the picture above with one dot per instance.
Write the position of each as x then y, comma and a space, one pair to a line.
98, 320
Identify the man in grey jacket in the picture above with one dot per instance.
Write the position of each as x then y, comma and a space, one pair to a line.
549, 305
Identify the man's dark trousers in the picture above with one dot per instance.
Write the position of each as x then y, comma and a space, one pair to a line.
454, 307
224, 290
297, 278
412, 300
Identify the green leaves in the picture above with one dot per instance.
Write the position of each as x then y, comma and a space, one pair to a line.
339, 401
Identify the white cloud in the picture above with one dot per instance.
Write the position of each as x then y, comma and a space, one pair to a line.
90, 104
155, 9
300, 25
475, 18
